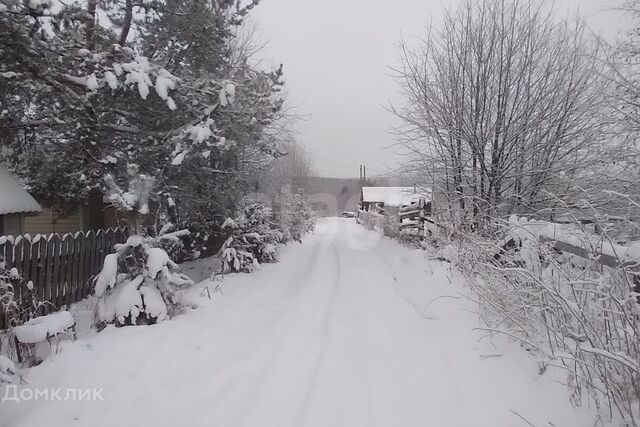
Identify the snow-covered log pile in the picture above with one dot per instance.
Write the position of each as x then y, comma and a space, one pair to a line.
139, 284
576, 312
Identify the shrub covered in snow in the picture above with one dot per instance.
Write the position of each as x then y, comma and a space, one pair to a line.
252, 240
257, 229
575, 313
292, 215
371, 220
17, 311
139, 284
302, 219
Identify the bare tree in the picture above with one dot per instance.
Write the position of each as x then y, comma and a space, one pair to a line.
500, 107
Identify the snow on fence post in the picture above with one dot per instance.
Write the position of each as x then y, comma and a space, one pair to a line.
54, 245
89, 250
60, 268
19, 248
7, 253
78, 264
67, 265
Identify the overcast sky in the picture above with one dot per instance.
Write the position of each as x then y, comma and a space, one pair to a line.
336, 57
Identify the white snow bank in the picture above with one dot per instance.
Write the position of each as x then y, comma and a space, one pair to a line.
39, 328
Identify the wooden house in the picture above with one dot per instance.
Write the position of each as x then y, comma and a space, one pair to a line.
389, 200
16, 204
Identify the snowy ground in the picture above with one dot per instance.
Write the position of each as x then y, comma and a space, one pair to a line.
347, 330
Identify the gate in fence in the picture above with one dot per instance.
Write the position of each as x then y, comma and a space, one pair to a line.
60, 268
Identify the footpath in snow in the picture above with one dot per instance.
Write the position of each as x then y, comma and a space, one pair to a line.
349, 329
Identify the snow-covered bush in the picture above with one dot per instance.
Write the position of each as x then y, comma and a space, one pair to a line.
292, 214
302, 218
177, 244
281, 211
252, 240
574, 312
139, 284
371, 220
234, 258
17, 311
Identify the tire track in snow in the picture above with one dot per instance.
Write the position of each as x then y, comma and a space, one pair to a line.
298, 282
324, 337
287, 319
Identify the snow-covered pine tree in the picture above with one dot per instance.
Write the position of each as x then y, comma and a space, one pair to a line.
105, 100
253, 237
139, 284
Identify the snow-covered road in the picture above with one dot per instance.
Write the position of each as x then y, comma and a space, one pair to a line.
347, 330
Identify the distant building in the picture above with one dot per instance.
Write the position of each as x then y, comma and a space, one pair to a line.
391, 199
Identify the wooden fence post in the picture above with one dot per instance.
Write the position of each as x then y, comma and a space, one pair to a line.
68, 247
89, 252
78, 265
41, 280
54, 283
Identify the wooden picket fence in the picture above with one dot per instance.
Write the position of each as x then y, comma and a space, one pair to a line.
60, 268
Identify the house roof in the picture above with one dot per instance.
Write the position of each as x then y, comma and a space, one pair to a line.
13, 197
394, 196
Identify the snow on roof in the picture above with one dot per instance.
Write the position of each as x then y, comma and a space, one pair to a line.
13, 197
393, 196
